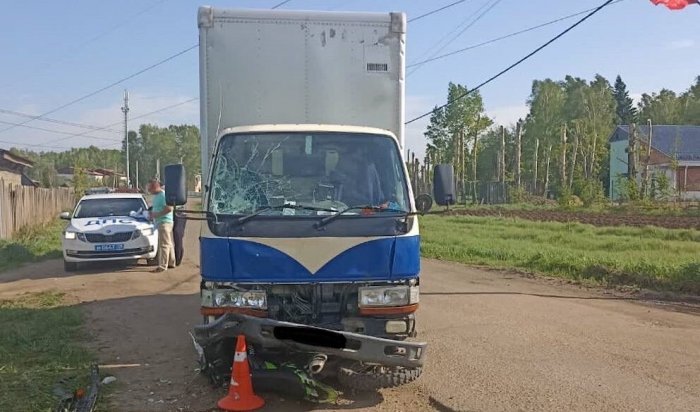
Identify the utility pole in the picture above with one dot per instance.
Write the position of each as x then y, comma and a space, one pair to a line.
125, 110
502, 172
463, 156
546, 172
631, 152
574, 153
475, 163
534, 171
518, 150
646, 190
137, 174
456, 160
158, 168
562, 160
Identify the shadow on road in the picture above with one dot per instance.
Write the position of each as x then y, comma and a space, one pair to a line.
53, 268
439, 406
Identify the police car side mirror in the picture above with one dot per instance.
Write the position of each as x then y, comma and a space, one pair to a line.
175, 185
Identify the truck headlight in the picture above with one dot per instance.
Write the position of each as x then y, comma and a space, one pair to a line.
387, 296
256, 299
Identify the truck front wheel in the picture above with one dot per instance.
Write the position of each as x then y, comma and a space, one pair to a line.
367, 378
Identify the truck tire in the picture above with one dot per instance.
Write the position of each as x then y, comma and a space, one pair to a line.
375, 378
70, 266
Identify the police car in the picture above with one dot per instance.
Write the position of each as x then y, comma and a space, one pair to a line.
108, 227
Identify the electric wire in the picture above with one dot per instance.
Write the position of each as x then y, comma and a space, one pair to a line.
517, 63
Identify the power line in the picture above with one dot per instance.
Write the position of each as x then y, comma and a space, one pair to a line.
435, 11
507, 36
31, 145
507, 69
164, 108
63, 122
445, 36
69, 51
479, 13
131, 76
46, 146
167, 59
280, 4
131, 118
53, 131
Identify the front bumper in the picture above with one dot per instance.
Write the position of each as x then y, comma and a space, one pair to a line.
273, 334
125, 254
144, 247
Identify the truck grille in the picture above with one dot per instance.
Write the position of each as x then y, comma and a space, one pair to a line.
113, 238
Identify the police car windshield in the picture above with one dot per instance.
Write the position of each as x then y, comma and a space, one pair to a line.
108, 207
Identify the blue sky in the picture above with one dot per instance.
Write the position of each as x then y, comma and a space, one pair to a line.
56, 51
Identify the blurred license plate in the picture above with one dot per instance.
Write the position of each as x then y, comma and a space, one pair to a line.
109, 247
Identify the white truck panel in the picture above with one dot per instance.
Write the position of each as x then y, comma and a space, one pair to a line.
330, 68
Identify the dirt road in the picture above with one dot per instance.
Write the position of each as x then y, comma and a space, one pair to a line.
498, 341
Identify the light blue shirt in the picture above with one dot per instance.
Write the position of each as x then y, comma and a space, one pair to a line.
159, 205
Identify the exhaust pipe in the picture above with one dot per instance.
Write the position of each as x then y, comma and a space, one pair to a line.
316, 364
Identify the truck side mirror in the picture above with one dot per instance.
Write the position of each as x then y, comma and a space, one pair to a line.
175, 185
444, 185
423, 203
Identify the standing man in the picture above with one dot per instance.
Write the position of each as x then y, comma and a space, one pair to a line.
178, 234
163, 216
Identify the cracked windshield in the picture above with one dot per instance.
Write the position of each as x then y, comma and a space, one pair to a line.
307, 174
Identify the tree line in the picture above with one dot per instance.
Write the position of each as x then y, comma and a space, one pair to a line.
153, 147
48, 164
560, 148
149, 147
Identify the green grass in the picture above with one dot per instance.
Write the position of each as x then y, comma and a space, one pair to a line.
40, 344
648, 257
32, 245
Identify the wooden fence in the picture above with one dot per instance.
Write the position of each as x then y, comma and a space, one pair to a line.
22, 206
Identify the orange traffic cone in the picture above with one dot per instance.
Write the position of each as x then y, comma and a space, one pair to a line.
240, 394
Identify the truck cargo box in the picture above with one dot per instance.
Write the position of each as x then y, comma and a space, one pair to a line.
264, 67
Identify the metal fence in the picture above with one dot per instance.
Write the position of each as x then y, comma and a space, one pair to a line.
23, 206
470, 191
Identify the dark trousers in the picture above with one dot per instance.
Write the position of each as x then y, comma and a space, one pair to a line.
178, 234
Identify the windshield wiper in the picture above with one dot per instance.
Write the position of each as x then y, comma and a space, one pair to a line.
246, 218
328, 219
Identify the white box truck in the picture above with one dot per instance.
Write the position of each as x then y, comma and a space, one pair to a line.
310, 244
